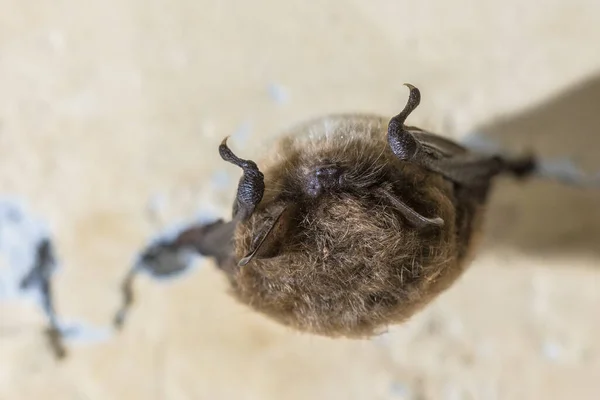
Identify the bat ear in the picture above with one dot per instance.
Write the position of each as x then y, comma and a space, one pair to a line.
267, 243
402, 143
251, 186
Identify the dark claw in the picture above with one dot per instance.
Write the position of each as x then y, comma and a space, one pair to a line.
251, 187
273, 228
414, 218
403, 143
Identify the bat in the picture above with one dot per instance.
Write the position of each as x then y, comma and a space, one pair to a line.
352, 223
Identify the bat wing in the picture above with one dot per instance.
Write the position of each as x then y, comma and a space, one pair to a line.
210, 240
463, 166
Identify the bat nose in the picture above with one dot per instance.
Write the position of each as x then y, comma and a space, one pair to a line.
324, 178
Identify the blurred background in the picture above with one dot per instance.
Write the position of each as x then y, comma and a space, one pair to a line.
110, 117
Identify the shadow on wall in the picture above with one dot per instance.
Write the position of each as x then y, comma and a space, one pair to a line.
546, 218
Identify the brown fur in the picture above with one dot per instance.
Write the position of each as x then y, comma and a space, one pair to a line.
347, 263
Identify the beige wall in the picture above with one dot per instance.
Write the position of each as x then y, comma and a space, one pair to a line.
107, 106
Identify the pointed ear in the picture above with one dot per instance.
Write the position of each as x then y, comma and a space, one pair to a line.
267, 243
251, 186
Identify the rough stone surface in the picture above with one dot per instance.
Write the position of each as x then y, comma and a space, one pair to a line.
110, 117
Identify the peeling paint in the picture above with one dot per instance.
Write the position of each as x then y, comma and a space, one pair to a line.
20, 235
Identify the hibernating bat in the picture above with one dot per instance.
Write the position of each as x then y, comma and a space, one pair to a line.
352, 223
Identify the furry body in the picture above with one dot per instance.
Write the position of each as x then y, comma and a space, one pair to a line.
354, 223
352, 265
